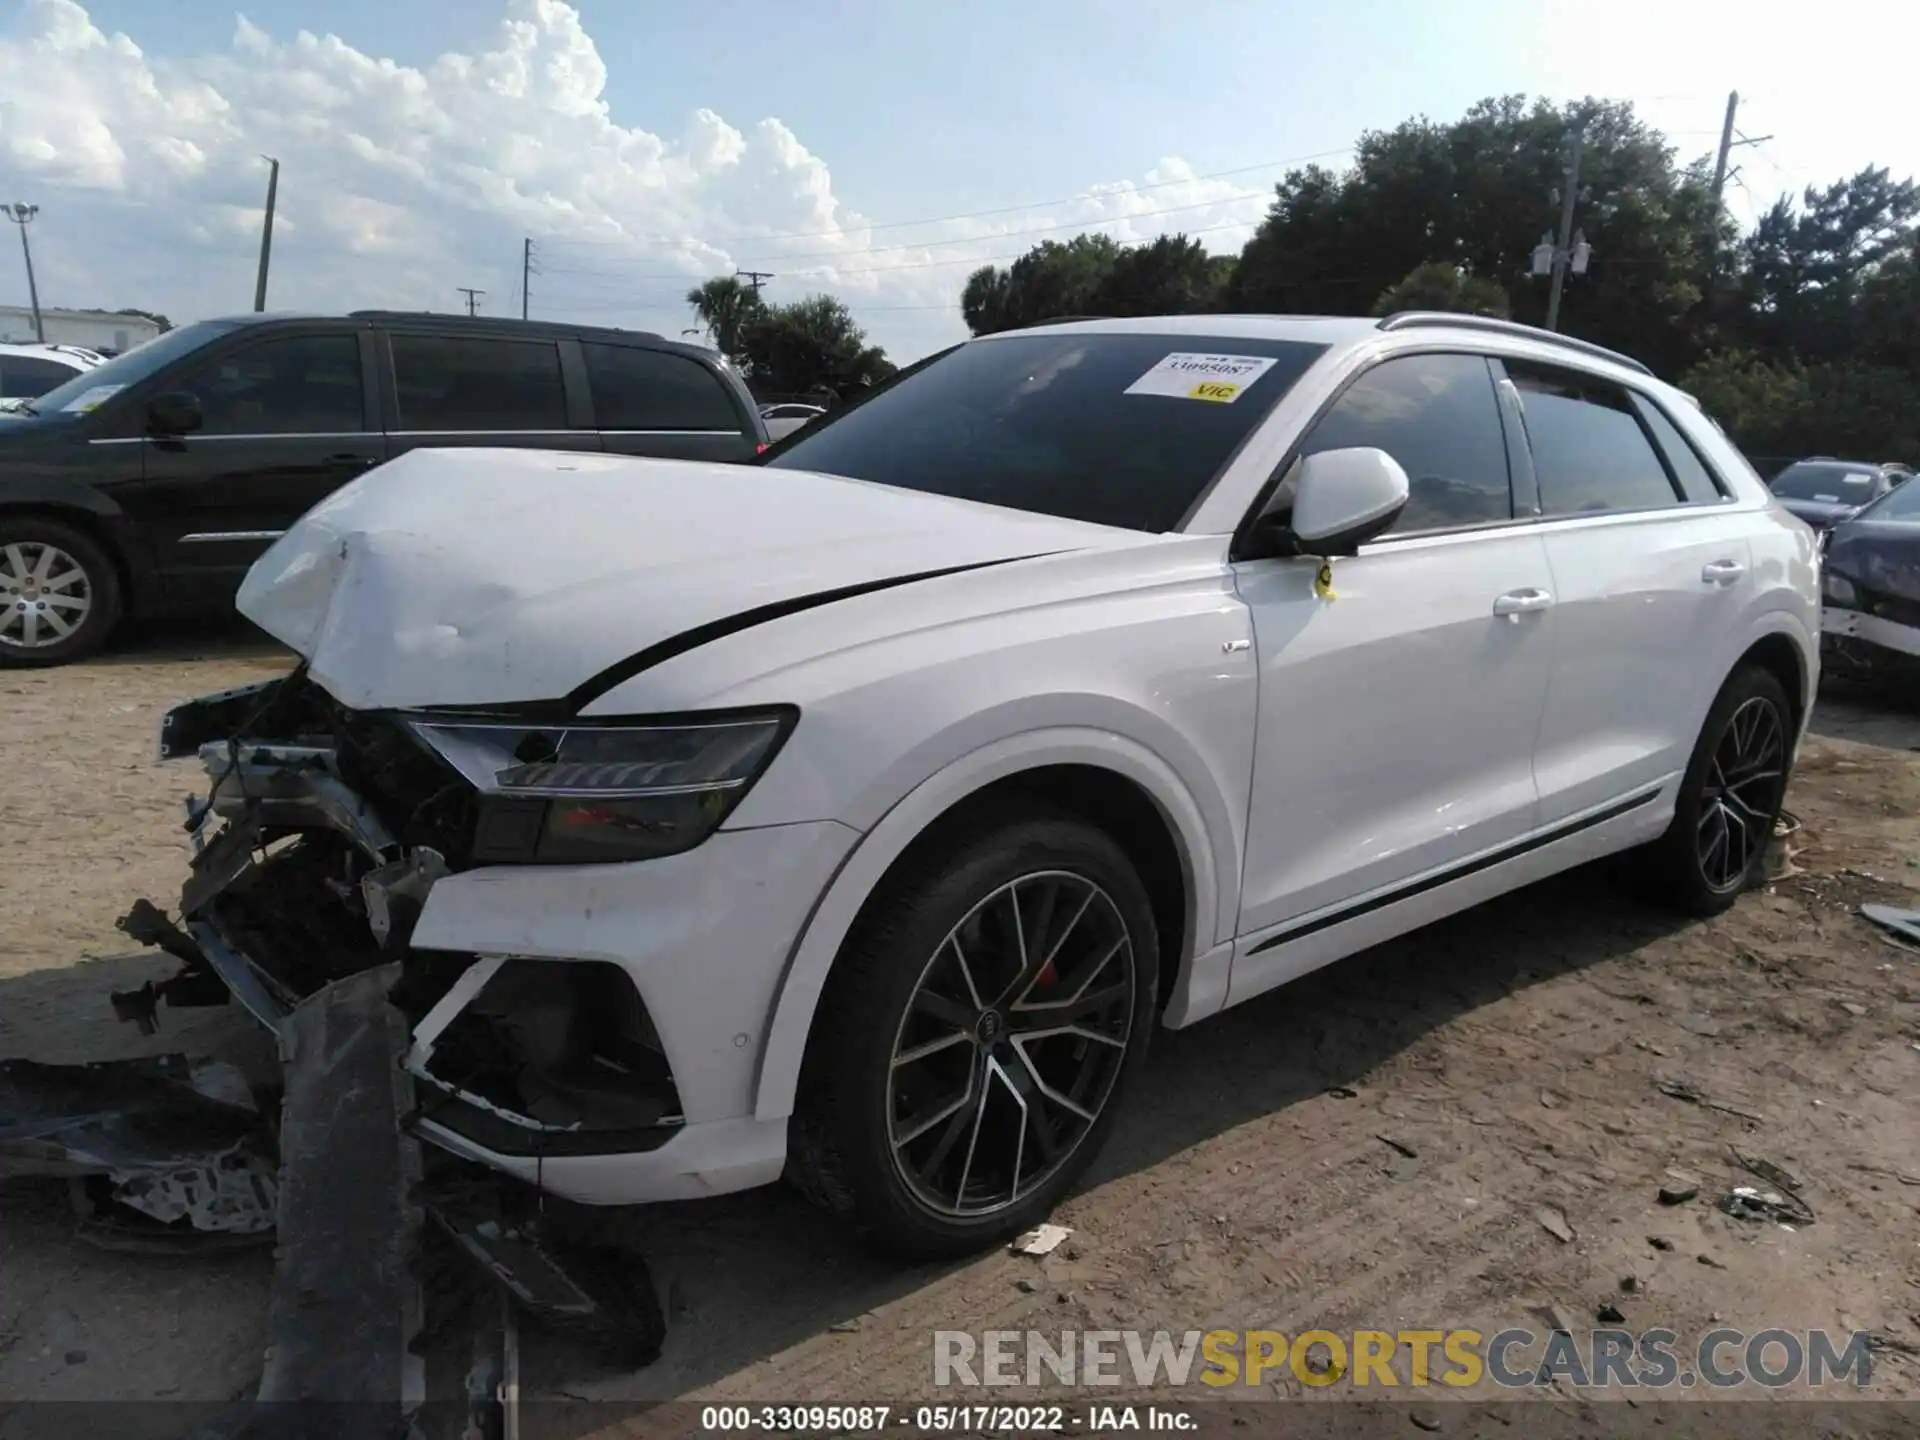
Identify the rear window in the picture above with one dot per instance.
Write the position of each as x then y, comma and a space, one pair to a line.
1116, 429
459, 384
1839, 484
637, 389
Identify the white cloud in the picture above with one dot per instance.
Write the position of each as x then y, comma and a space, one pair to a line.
399, 183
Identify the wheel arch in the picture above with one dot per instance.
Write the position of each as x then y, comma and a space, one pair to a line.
1109, 779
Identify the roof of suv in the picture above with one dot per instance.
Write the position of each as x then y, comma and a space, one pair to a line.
479, 323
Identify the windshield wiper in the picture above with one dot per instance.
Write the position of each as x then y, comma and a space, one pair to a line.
25, 407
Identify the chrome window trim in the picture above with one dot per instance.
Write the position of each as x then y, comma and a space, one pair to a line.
214, 537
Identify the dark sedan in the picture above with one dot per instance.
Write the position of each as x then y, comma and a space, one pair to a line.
1823, 492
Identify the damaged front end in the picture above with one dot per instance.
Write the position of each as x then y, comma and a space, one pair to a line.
322, 834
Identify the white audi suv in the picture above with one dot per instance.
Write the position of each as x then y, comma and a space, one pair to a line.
859, 813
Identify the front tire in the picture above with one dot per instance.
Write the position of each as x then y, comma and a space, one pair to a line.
59, 592
973, 1040
1729, 799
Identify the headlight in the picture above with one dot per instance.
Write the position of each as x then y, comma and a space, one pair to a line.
585, 792
1839, 589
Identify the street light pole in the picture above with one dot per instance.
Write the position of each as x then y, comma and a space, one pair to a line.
20, 213
1564, 251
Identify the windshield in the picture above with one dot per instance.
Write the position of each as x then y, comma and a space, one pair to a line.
88, 389
1116, 429
1839, 484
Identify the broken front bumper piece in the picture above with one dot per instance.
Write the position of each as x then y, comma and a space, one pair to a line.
315, 854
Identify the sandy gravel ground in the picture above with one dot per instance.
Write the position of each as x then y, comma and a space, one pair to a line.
1516, 1051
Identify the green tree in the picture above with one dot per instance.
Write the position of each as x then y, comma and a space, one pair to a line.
1478, 194
1052, 279
160, 321
810, 345
1439, 286
725, 305
1169, 276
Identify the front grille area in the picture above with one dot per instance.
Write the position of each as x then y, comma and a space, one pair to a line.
422, 799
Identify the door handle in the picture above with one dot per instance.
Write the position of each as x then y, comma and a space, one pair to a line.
363, 461
1516, 603
1722, 572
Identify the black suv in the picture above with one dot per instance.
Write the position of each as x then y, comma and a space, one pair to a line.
149, 485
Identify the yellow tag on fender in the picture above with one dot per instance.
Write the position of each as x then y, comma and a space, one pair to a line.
1323, 581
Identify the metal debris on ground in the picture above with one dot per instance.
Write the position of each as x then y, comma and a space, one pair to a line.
1904, 923
1677, 1195
1554, 1223
1698, 1024
160, 1154
1744, 1202
1042, 1240
1681, 1090
1775, 1175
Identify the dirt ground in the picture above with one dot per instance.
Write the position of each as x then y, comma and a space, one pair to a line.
1516, 1051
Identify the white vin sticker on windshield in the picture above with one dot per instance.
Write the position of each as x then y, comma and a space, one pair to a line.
1190, 376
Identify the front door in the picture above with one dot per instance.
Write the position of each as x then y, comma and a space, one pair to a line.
283, 426
1398, 716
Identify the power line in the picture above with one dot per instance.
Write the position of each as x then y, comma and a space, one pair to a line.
473, 298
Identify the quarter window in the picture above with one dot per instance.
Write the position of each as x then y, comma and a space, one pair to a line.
454, 384
296, 385
1439, 417
1590, 451
1696, 481
637, 389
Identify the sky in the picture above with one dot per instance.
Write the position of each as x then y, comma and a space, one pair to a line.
876, 151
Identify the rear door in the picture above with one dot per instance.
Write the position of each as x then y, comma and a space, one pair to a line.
459, 388
654, 402
284, 424
1651, 570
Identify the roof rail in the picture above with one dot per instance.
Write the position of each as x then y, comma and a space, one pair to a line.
1412, 319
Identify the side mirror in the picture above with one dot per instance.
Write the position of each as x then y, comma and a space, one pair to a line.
175, 413
1340, 499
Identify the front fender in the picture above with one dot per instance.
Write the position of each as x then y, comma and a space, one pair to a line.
784, 1046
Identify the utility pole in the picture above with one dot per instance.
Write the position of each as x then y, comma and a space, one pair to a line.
21, 213
1563, 251
266, 234
1729, 138
526, 269
473, 298
755, 278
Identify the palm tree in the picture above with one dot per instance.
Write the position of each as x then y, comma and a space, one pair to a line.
723, 306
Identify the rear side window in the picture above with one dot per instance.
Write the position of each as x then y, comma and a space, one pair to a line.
1117, 428
1696, 481
296, 385
22, 378
636, 389
1438, 415
448, 383
1590, 452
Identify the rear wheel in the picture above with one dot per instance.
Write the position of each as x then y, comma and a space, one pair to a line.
1729, 799
975, 1035
59, 592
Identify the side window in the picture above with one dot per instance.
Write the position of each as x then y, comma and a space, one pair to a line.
1696, 481
449, 383
1590, 451
22, 378
1439, 417
298, 385
637, 389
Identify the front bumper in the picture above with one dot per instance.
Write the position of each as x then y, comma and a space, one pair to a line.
593, 1029
1856, 643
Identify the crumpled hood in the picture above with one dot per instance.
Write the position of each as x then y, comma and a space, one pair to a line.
1884, 556
484, 577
